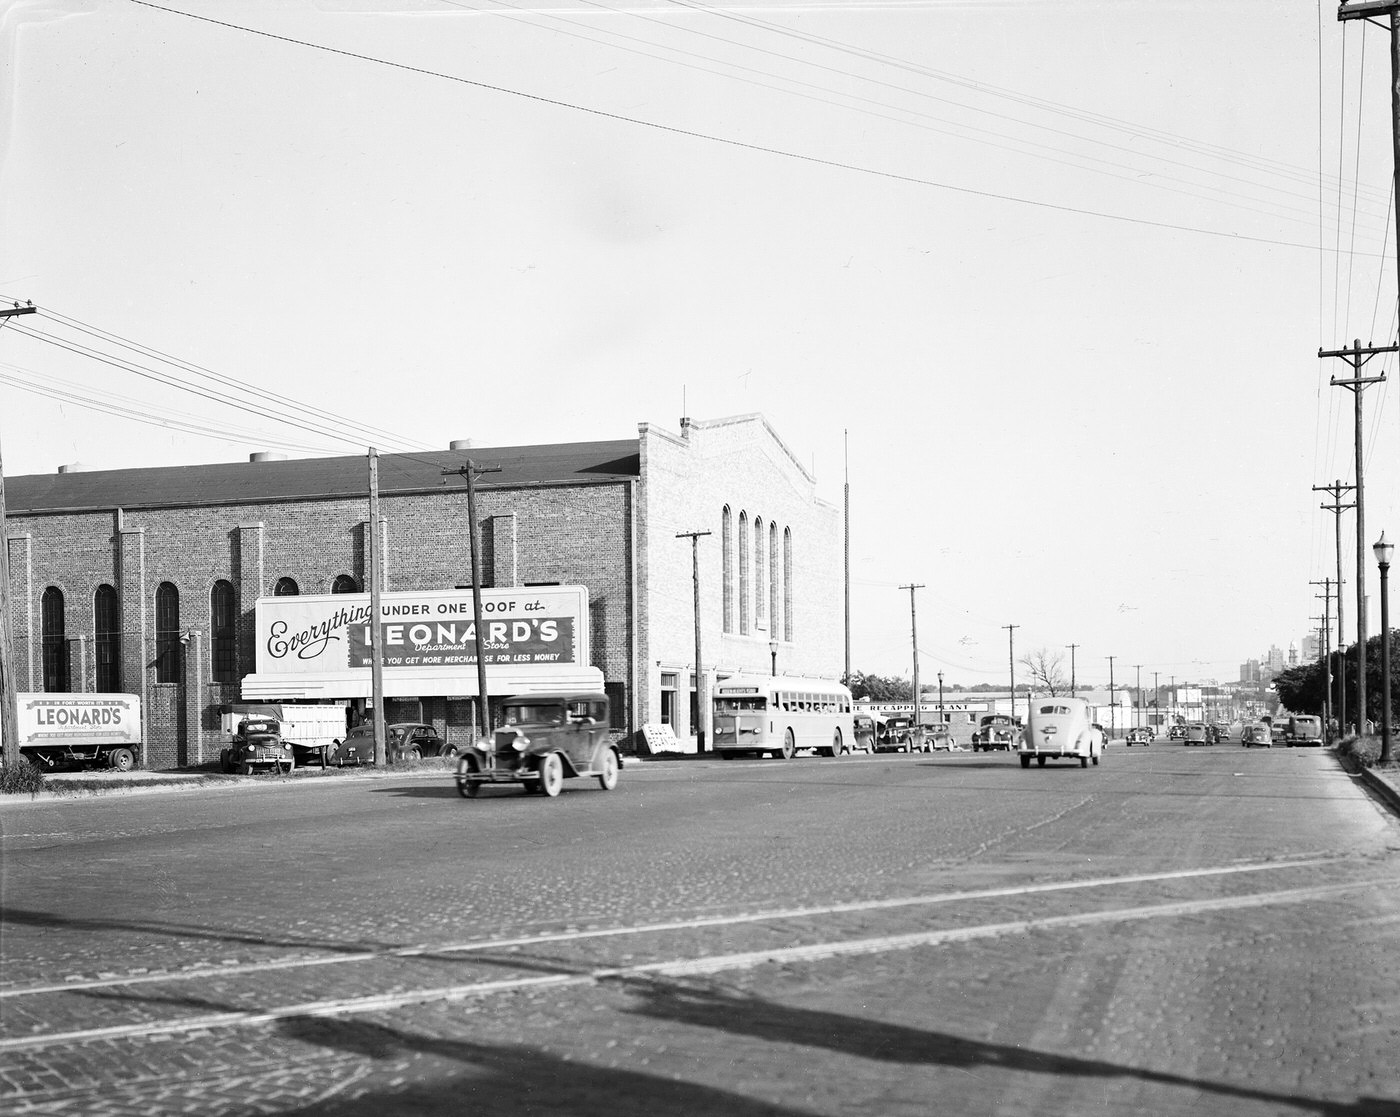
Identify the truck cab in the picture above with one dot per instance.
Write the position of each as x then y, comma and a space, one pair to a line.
257, 746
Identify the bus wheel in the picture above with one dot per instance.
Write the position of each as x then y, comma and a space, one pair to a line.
121, 759
838, 746
789, 746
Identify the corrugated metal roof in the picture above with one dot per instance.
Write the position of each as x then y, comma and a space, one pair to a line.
309, 478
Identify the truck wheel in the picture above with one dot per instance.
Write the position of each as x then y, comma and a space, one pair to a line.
1084, 762
243, 768
323, 754
1040, 760
121, 759
224, 765
1025, 761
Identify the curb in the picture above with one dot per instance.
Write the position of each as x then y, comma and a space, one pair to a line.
1386, 792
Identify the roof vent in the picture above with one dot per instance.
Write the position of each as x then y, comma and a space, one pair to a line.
462, 444
73, 467
267, 456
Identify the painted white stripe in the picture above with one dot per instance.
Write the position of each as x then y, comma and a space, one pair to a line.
685, 966
674, 925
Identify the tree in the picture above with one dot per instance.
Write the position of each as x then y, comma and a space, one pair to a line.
879, 688
1047, 670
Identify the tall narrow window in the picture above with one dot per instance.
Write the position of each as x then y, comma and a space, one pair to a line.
167, 633
773, 598
760, 578
223, 632
345, 584
286, 587
55, 641
787, 584
107, 639
743, 572
726, 543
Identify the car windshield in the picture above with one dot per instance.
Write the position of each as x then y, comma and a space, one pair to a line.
534, 715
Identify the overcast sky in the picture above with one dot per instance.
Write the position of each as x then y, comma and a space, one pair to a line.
1057, 272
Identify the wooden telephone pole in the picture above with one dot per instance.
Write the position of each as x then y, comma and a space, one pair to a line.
1337, 508
702, 721
9, 700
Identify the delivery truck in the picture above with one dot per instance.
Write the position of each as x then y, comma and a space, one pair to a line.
80, 730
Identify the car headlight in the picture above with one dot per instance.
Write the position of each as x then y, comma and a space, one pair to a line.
521, 742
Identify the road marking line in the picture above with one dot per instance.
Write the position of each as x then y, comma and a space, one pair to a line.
684, 967
674, 925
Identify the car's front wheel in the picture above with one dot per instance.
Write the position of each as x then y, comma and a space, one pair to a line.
551, 774
607, 778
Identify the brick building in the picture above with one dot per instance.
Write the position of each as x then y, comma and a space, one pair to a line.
147, 580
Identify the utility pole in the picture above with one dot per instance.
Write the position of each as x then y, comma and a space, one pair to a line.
1336, 489
1112, 705
471, 471
1326, 596
9, 700
1011, 638
1137, 698
702, 735
376, 617
1071, 669
846, 447
914, 636
1156, 702
1357, 356
1368, 10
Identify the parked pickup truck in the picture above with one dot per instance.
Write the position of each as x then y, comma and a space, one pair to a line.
80, 730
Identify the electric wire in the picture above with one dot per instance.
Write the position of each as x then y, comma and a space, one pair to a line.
815, 160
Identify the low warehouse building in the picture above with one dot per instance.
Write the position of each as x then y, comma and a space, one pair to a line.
173, 583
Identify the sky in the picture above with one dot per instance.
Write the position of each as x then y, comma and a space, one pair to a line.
1044, 281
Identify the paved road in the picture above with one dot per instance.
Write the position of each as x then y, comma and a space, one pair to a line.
1177, 931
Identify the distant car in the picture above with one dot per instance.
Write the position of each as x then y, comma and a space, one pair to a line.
864, 728
409, 740
1059, 728
995, 731
1278, 730
1256, 734
1138, 736
1177, 733
940, 740
894, 734
1197, 734
1305, 729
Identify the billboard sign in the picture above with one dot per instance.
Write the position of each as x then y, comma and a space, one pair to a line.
522, 628
79, 719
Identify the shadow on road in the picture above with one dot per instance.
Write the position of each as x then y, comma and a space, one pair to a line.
897, 1043
509, 1079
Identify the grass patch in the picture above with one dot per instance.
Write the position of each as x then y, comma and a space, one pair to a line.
21, 778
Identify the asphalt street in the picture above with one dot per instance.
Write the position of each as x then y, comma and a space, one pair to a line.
1176, 931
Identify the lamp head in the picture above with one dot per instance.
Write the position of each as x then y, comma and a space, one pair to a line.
1384, 549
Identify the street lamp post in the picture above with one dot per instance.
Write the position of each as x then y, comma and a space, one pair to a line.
773, 655
1383, 551
941, 718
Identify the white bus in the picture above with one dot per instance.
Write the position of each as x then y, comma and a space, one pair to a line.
779, 714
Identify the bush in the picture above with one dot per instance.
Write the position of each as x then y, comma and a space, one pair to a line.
1364, 750
20, 778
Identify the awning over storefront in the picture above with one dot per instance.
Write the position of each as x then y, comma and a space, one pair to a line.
424, 682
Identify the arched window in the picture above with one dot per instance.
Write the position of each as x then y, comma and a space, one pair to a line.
223, 632
107, 639
726, 543
345, 584
760, 578
787, 584
286, 587
167, 633
743, 572
773, 598
55, 641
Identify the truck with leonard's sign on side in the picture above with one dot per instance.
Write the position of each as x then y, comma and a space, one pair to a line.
80, 730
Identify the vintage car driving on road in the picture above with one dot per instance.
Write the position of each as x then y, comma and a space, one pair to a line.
543, 739
1177, 732
1197, 734
996, 731
1060, 728
1305, 729
1256, 733
1138, 736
